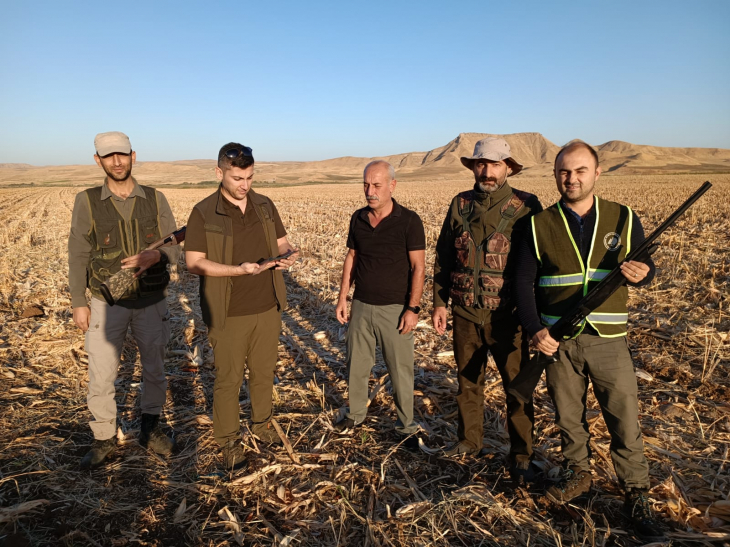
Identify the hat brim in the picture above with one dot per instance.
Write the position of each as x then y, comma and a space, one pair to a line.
514, 166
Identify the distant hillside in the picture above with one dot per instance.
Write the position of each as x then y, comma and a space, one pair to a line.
533, 150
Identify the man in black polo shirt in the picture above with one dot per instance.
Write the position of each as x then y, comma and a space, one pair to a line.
386, 262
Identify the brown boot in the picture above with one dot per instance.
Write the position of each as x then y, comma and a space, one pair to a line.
267, 433
234, 457
576, 482
100, 451
152, 437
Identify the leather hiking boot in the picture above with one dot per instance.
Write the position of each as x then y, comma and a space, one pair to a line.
267, 434
576, 482
152, 437
234, 458
525, 472
637, 509
345, 426
460, 449
100, 451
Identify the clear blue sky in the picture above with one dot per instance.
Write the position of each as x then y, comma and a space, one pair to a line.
316, 80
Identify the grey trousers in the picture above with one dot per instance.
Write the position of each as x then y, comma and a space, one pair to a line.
107, 329
607, 363
371, 325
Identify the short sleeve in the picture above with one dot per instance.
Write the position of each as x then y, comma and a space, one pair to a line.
278, 224
415, 236
195, 239
351, 232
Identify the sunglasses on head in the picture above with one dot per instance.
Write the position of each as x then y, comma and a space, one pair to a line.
233, 153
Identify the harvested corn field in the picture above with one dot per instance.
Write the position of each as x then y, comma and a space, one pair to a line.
325, 489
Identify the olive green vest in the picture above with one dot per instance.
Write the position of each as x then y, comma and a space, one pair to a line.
215, 292
477, 279
114, 238
564, 279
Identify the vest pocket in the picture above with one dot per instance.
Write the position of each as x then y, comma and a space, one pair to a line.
497, 249
107, 234
462, 289
464, 254
148, 230
494, 291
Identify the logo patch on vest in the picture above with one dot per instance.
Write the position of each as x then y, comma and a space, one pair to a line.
107, 239
612, 241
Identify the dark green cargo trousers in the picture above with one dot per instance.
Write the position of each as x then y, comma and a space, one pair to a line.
501, 336
607, 363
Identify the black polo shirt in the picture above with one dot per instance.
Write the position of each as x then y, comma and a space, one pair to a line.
382, 269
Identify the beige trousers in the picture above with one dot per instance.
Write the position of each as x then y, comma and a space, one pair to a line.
104, 340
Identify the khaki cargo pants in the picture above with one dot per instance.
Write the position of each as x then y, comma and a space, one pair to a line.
502, 337
245, 341
104, 340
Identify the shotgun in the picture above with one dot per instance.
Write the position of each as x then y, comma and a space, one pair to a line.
114, 288
527, 379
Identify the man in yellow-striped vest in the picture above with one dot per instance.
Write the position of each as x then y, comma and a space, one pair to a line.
574, 244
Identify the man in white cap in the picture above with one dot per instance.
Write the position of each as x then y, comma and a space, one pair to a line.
110, 226
472, 270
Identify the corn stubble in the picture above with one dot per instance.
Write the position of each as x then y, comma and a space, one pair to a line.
331, 490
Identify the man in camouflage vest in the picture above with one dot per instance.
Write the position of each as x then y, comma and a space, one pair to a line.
571, 246
472, 270
111, 225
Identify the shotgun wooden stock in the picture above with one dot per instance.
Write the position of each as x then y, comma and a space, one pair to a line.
114, 288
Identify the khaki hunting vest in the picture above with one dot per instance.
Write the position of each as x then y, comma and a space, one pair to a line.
477, 280
564, 279
113, 238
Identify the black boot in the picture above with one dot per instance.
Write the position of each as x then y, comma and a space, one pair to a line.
152, 437
100, 450
637, 509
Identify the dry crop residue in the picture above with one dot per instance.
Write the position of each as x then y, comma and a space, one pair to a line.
352, 490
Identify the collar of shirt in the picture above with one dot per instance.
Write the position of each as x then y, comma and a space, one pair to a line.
136, 191
394, 213
575, 217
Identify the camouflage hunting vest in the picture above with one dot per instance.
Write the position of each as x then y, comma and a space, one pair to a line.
563, 277
113, 238
477, 280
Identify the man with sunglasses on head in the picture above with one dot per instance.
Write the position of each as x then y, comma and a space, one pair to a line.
230, 235
111, 224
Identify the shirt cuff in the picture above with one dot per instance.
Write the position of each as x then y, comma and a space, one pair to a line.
79, 301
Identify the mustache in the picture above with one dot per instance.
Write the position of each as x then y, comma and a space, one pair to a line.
372, 198
487, 179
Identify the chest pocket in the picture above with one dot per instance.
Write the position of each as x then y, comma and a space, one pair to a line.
148, 230
107, 234
497, 249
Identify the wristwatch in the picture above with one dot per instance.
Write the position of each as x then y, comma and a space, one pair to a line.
414, 309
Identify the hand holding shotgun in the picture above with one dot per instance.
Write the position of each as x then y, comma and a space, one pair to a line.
134, 266
547, 340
